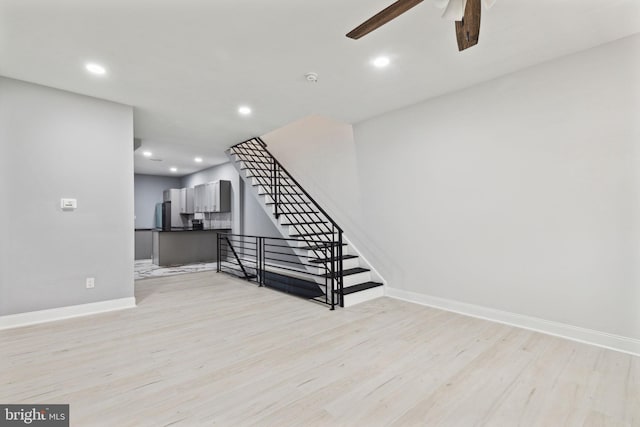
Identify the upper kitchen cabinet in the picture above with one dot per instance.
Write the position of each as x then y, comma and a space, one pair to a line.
186, 201
213, 197
198, 198
222, 200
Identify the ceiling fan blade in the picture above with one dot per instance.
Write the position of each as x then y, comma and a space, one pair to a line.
468, 30
381, 18
455, 10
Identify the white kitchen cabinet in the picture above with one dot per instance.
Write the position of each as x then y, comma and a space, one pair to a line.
199, 198
213, 197
186, 201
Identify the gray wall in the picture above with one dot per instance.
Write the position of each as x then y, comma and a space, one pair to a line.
255, 221
56, 144
520, 194
147, 192
4, 195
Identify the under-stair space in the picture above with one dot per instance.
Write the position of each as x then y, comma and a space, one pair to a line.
313, 254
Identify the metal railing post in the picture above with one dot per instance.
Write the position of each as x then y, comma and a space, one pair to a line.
219, 252
259, 270
274, 188
340, 271
333, 276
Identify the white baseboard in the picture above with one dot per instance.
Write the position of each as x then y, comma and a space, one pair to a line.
42, 316
575, 333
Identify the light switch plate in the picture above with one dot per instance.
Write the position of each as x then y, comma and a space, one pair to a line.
68, 204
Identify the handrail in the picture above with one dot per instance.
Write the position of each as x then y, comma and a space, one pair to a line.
266, 266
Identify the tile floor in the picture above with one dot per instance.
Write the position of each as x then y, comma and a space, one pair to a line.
144, 269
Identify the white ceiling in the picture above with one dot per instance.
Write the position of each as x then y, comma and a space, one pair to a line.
187, 65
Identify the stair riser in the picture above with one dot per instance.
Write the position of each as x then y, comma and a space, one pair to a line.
354, 279
283, 211
251, 172
362, 296
258, 161
346, 264
266, 185
346, 250
286, 198
299, 230
350, 280
293, 219
308, 228
310, 241
263, 190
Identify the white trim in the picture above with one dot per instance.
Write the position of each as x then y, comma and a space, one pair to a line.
574, 333
362, 296
42, 316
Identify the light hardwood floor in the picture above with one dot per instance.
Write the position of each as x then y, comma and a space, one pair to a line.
208, 349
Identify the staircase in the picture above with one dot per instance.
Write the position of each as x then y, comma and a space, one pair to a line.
310, 233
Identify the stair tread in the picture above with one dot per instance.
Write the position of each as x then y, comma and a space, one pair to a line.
303, 223
282, 175
323, 260
350, 271
316, 247
359, 287
280, 185
317, 233
287, 203
282, 194
297, 212
251, 155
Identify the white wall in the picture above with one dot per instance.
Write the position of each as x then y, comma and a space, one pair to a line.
319, 153
148, 191
520, 194
57, 144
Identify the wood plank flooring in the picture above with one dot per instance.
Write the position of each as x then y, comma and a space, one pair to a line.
208, 349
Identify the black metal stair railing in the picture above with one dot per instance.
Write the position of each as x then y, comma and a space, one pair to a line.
273, 262
289, 198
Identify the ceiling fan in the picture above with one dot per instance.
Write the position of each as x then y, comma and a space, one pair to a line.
465, 13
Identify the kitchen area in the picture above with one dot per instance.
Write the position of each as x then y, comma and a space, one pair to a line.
187, 222
177, 225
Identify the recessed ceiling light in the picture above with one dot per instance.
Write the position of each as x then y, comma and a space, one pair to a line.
147, 153
381, 61
244, 110
198, 159
95, 69
173, 169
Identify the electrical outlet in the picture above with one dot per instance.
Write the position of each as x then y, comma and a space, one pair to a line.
91, 282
